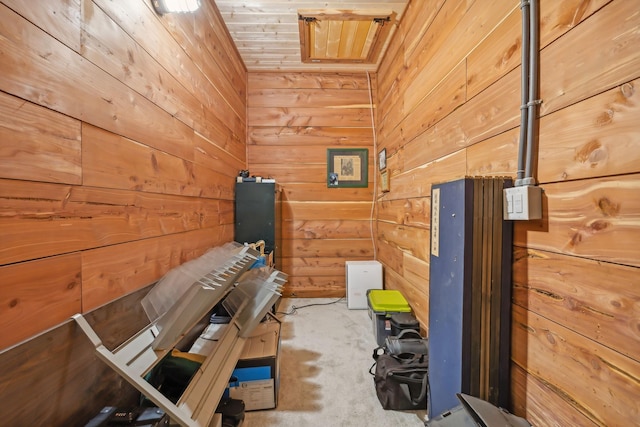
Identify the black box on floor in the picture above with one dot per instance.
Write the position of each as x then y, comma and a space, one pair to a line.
402, 321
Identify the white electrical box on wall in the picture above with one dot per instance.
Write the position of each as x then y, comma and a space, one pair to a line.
360, 277
522, 203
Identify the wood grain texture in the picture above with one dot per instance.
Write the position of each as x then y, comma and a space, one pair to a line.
139, 118
315, 286
108, 46
345, 248
415, 23
596, 219
208, 48
308, 97
38, 295
358, 116
538, 403
216, 157
58, 78
152, 33
113, 271
311, 191
312, 135
500, 52
313, 265
57, 366
258, 80
285, 155
569, 290
573, 366
415, 275
61, 19
393, 257
419, 304
137, 167
411, 240
328, 211
596, 137
295, 173
324, 229
293, 118
492, 112
412, 212
461, 30
38, 144
56, 219
610, 60
496, 156
217, 40
585, 159
417, 182
442, 100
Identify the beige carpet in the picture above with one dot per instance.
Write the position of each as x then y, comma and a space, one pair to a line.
325, 357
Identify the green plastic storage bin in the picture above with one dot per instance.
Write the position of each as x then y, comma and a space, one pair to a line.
382, 304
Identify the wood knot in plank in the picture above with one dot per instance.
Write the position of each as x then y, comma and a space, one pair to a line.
628, 90
154, 162
607, 207
550, 338
589, 229
592, 153
599, 225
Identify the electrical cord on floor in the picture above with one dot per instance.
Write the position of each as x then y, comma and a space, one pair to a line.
294, 309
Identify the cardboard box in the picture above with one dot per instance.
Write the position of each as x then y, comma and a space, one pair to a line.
256, 378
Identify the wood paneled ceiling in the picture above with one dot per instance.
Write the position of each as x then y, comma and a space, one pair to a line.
334, 35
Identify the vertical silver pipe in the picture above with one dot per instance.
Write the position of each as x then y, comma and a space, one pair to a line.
533, 88
524, 91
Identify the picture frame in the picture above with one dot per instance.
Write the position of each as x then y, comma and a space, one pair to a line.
347, 167
382, 159
384, 181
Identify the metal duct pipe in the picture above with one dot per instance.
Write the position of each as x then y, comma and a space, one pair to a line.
524, 90
534, 47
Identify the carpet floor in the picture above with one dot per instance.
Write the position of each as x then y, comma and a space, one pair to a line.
325, 356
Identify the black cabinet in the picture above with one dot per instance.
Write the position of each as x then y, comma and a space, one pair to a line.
258, 210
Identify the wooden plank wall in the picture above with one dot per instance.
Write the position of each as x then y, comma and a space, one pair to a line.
121, 133
292, 119
120, 136
448, 103
55, 379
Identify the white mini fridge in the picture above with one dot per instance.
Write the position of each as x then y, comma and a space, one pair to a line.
360, 277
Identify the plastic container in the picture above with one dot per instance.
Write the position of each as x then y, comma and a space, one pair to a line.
402, 321
382, 304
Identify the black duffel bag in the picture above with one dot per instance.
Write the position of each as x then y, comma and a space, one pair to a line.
401, 380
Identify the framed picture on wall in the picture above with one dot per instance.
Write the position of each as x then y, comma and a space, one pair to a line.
382, 159
384, 181
347, 167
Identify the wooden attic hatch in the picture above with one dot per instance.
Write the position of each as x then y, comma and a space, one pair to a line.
341, 36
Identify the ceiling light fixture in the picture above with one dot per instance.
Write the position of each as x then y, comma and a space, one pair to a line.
177, 6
